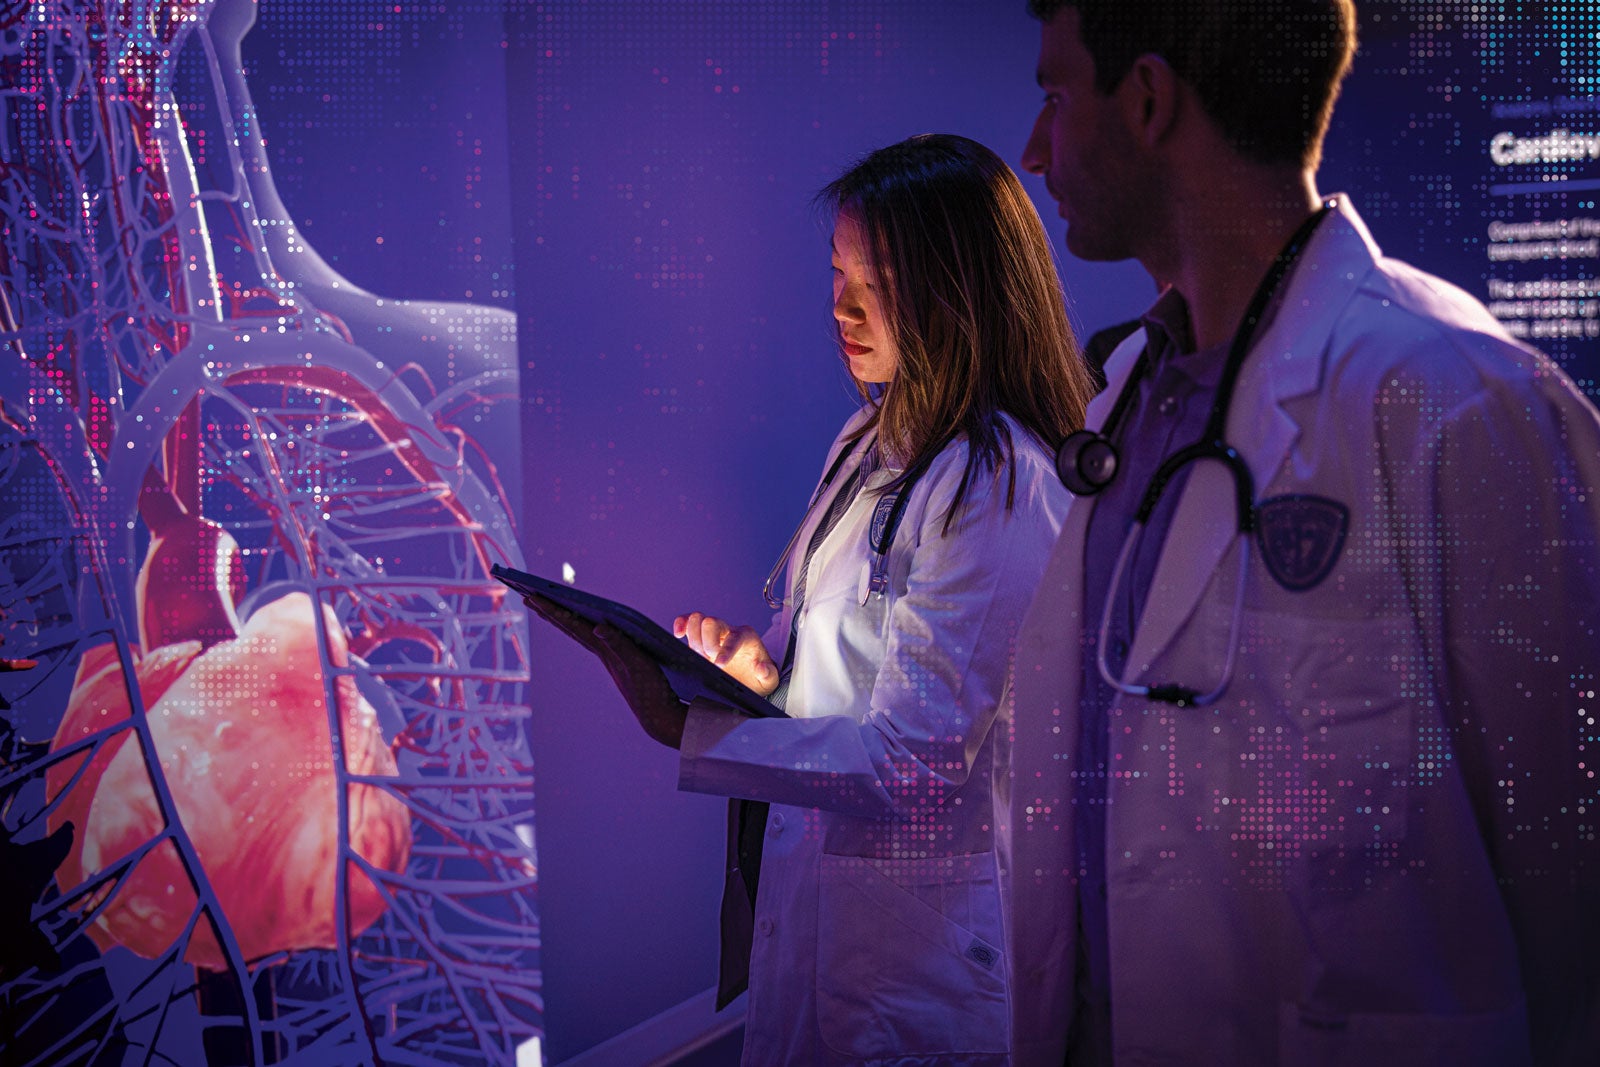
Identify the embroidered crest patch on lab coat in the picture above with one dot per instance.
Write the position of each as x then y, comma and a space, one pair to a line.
1300, 538
879, 532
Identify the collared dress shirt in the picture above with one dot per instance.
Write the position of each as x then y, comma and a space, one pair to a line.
1168, 413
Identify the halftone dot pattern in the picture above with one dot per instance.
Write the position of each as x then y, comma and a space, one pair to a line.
386, 125
1435, 180
706, 82
312, 491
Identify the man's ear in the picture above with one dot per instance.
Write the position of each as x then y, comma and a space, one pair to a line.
1150, 96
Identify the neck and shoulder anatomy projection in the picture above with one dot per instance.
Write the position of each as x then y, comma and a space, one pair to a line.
262, 759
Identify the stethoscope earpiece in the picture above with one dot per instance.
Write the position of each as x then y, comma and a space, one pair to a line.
1086, 462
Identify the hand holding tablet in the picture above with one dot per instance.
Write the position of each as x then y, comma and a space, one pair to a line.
686, 674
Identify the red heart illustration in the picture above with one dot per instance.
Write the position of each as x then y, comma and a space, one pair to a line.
242, 736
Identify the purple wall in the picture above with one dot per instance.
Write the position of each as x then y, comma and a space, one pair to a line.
681, 385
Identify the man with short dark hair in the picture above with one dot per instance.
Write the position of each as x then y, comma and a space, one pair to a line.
1304, 724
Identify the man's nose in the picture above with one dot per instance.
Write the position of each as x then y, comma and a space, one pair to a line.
1036, 153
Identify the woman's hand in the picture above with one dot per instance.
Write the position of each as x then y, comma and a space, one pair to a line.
736, 649
638, 678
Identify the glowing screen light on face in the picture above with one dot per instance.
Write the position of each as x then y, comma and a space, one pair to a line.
264, 775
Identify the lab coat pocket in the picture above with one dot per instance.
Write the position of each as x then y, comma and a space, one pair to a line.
908, 957
1340, 742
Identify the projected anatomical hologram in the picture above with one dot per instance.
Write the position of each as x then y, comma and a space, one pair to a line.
266, 789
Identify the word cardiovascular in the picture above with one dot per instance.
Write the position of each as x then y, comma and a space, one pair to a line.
1557, 146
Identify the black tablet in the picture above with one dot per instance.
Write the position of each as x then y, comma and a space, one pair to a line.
690, 674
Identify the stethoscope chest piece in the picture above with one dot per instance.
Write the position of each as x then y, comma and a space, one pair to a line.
1086, 462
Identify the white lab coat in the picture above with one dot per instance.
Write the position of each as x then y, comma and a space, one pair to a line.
878, 932
1378, 847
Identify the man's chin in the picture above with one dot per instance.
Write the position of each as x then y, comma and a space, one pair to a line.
1087, 245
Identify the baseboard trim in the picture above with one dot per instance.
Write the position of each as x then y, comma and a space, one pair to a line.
664, 1039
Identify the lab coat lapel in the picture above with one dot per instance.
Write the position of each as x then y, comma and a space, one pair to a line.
822, 498
1060, 593
1285, 362
1119, 368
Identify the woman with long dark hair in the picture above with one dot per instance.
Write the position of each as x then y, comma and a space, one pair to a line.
867, 834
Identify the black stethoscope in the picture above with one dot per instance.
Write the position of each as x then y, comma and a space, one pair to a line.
886, 516
1087, 462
